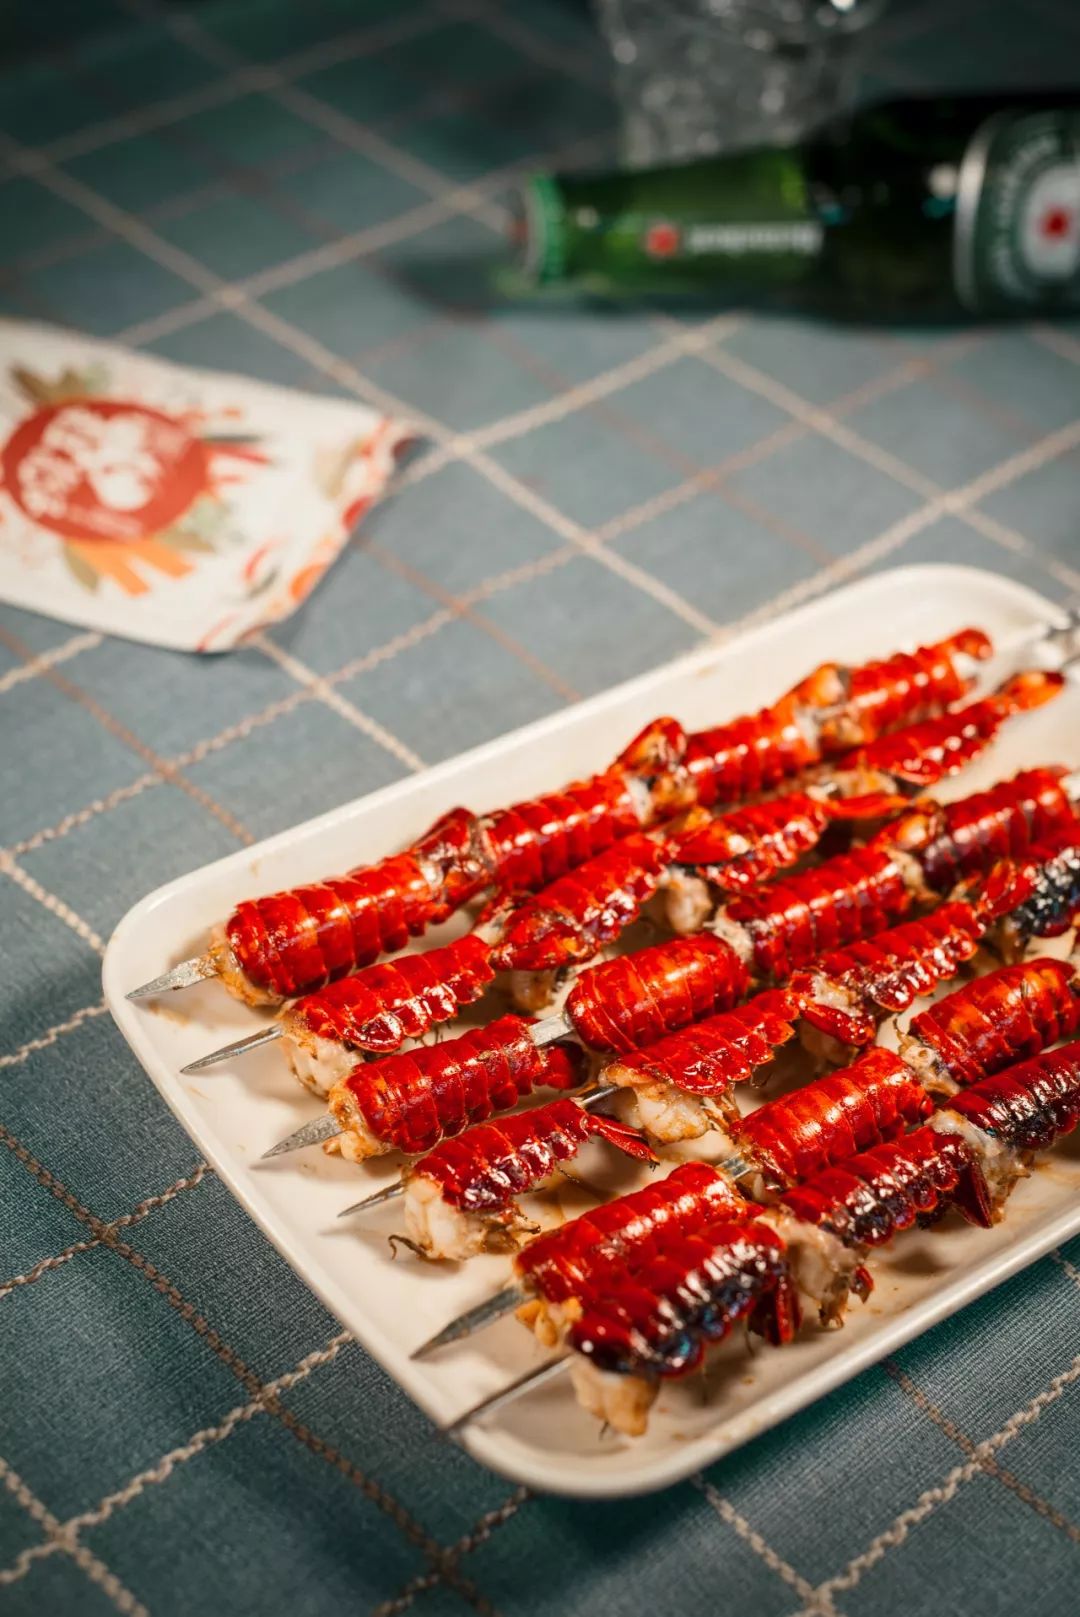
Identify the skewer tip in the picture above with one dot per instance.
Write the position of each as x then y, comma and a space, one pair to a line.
312, 1133
537, 1377
388, 1193
185, 975
240, 1047
474, 1319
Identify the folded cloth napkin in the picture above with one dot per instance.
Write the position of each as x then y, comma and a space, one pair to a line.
177, 506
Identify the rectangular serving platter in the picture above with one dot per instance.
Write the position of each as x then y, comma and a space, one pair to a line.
234, 1113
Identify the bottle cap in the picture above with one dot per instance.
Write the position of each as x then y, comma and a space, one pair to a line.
538, 229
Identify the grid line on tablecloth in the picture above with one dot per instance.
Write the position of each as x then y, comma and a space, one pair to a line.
911, 1389
462, 609
932, 1498
164, 1467
234, 177
606, 410
149, 1204
322, 691
127, 738
1067, 1266
1057, 341
48, 659
51, 902
191, 31
369, 1486
570, 399
94, 1568
239, 730
477, 1535
251, 78
738, 1523
44, 1041
953, 502
824, 423
665, 352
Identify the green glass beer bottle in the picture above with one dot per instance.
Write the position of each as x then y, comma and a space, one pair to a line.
917, 208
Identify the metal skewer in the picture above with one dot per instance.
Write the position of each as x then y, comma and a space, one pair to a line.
185, 975
241, 1047
312, 1133
1064, 635
474, 1319
390, 1193
525, 1383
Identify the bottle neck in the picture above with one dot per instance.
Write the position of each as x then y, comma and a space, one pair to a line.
742, 220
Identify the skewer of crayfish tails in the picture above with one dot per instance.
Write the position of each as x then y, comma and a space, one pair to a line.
290, 943
536, 1140
410, 1100
636, 1314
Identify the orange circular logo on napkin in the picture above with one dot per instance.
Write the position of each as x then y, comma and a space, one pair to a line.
93, 469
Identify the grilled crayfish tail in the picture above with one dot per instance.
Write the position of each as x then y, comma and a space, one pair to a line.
798, 917
380, 1007
484, 1169
635, 999
1053, 906
867, 1199
560, 1264
863, 1105
860, 704
966, 838
658, 1320
1030, 1106
709, 1058
410, 1101
533, 843
568, 922
923, 754
992, 1022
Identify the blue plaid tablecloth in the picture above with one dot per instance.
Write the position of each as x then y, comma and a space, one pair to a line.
304, 190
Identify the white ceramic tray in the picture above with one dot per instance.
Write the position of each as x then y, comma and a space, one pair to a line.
234, 1113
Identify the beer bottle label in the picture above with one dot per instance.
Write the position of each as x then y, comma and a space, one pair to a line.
1017, 241
744, 220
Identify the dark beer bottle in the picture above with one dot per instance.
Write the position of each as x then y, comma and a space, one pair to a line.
922, 208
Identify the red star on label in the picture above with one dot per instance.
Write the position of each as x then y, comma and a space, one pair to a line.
1056, 224
661, 241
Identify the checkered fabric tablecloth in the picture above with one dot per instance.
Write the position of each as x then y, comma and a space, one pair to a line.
301, 189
